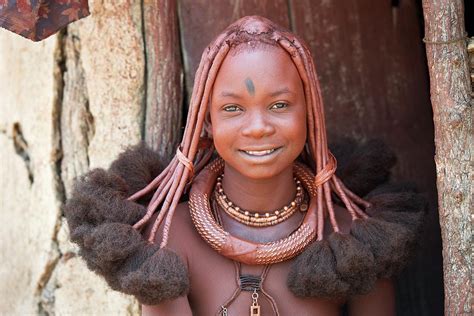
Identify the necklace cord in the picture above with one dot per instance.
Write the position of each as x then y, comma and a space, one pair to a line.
242, 281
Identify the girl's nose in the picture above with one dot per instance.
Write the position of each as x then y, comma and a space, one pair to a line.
257, 125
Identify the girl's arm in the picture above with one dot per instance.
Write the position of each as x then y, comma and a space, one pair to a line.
380, 301
179, 306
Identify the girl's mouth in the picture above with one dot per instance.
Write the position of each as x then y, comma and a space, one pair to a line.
260, 153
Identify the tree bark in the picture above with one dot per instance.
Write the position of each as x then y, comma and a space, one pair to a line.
164, 77
452, 115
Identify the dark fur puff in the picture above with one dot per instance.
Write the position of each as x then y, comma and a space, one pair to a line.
404, 208
363, 166
376, 247
313, 273
387, 241
162, 276
138, 166
113, 243
101, 196
379, 246
100, 218
354, 262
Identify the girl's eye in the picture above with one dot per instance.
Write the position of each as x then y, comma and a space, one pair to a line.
231, 108
279, 105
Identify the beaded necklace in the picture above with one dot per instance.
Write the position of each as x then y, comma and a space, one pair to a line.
257, 219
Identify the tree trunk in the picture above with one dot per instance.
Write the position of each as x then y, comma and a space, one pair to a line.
452, 115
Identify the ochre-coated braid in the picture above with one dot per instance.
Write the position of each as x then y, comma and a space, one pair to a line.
171, 183
192, 144
295, 51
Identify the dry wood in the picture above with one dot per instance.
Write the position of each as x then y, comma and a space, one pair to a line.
164, 77
202, 20
452, 114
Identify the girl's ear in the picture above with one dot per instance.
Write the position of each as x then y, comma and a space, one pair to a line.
208, 124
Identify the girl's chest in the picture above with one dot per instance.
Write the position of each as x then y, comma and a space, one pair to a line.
216, 287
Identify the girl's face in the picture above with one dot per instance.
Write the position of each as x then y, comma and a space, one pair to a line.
258, 112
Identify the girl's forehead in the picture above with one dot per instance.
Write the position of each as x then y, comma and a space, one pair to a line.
267, 64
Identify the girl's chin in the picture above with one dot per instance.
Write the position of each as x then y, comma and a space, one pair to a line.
258, 171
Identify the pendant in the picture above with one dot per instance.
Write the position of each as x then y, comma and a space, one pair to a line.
255, 308
223, 311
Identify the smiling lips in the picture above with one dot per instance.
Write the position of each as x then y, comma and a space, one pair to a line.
260, 152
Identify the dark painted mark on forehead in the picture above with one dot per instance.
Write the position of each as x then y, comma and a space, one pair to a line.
250, 86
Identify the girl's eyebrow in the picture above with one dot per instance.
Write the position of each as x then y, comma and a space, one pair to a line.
230, 94
275, 93
281, 91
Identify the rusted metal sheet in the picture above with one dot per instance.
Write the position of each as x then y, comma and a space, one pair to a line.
372, 69
164, 77
201, 21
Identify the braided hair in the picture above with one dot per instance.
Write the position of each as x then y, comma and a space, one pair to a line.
195, 151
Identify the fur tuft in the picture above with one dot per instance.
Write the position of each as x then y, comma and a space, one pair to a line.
99, 197
403, 208
100, 218
412, 221
313, 273
362, 167
397, 202
107, 247
389, 243
138, 166
113, 242
162, 276
354, 262
79, 233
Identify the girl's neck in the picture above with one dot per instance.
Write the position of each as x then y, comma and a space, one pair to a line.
259, 194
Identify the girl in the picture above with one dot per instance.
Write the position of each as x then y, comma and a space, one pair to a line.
268, 227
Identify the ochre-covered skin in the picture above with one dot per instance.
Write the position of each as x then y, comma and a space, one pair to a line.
257, 99
99, 198
257, 103
242, 250
254, 41
213, 278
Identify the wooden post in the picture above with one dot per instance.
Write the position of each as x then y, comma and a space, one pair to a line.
164, 77
451, 100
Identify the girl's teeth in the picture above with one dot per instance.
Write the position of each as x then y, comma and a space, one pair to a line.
260, 152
